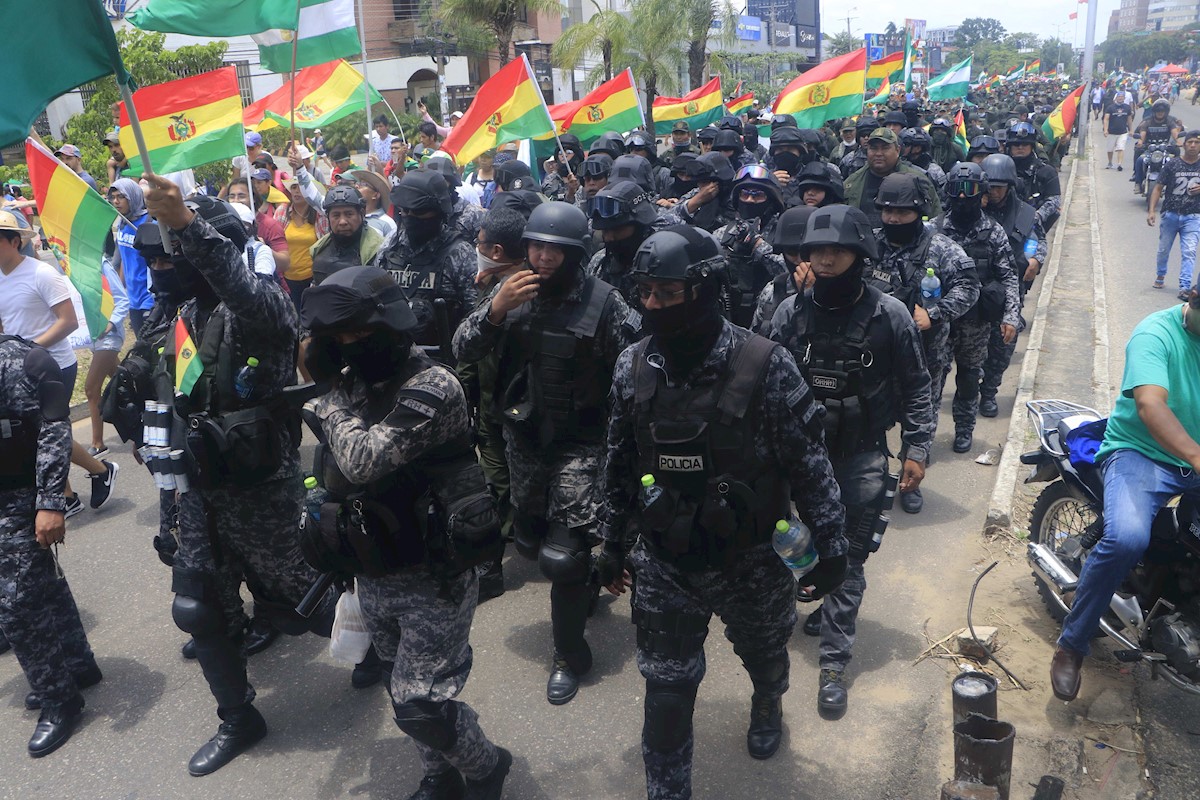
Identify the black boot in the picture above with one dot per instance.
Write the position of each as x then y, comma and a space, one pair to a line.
491, 787
963, 441
912, 502
241, 729
446, 785
832, 697
812, 624
572, 656
189, 649
367, 672
86, 679
491, 582
988, 407
54, 727
563, 684
262, 634
766, 725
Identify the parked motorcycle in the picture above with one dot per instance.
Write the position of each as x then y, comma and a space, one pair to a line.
1155, 614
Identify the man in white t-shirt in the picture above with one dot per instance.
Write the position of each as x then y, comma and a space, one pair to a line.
35, 304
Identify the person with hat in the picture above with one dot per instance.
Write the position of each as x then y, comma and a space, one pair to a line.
397, 432
847, 141
681, 180
916, 147
557, 332
466, 213
705, 138
982, 147
817, 186
1041, 187
268, 229
594, 172
563, 182
350, 242
116, 155
907, 248
254, 152
340, 155
729, 144
710, 205
376, 195
944, 151
745, 240
625, 215
721, 422
789, 154
828, 329
895, 121
856, 159
641, 143
786, 241
679, 142
883, 158
306, 158
70, 155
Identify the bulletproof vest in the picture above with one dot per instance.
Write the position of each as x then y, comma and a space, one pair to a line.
903, 284
746, 275
853, 162
980, 251
1019, 221
1032, 186
18, 444
1158, 131
848, 367
332, 258
698, 443
421, 274
552, 375
622, 280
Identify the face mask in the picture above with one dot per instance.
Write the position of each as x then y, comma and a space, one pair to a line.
165, 283
684, 333
965, 212
486, 265
903, 233
378, 357
788, 162
750, 211
192, 282
420, 231
839, 292
682, 148
1023, 161
624, 249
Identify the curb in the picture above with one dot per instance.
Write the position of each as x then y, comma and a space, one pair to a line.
999, 515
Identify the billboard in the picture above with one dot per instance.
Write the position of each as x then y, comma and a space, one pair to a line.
874, 44
749, 29
915, 28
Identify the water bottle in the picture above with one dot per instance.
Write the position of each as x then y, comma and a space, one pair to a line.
1030, 247
793, 542
243, 382
650, 492
655, 510
931, 288
314, 497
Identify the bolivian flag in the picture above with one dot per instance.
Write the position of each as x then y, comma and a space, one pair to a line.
885, 67
960, 131
324, 93
187, 123
829, 90
188, 366
508, 107
1033, 67
76, 220
611, 106
1062, 119
741, 104
885, 91
698, 108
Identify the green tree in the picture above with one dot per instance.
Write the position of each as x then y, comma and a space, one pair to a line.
497, 17
978, 29
891, 29
1054, 52
698, 16
603, 35
653, 50
1133, 51
838, 44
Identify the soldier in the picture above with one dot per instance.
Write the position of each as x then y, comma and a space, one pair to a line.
557, 333
624, 215
1020, 222
745, 241
679, 143
856, 159
1039, 180
945, 151
37, 610
398, 430
430, 260
247, 483
847, 141
999, 304
710, 205
860, 351
908, 247
726, 427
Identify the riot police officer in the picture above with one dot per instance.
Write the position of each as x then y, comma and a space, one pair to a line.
724, 424
243, 459
745, 241
856, 159
788, 156
917, 149
624, 215
417, 592
1028, 242
557, 333
1039, 180
945, 151
859, 350
789, 236
710, 205
981, 147
464, 216
641, 143
350, 241
817, 186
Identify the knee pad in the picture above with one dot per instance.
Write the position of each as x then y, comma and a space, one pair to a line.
197, 617
565, 556
668, 721
433, 724
528, 533
768, 672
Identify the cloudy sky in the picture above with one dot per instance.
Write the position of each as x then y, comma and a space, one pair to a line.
1046, 18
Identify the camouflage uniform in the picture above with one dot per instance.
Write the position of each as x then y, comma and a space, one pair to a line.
467, 217
755, 594
749, 273
710, 216
418, 622
37, 611
853, 161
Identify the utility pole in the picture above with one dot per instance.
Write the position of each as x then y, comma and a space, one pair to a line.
1087, 68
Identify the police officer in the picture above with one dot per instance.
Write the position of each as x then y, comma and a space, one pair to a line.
1025, 234
788, 237
856, 159
594, 173
464, 215
789, 155
999, 304
817, 186
37, 610
729, 144
710, 205
982, 147
859, 350
430, 260
641, 143
945, 151
350, 242
561, 184
745, 241
917, 147
398, 430
557, 333
705, 138
248, 482
679, 142
624, 215
907, 248
883, 159
1039, 180
1158, 128
727, 428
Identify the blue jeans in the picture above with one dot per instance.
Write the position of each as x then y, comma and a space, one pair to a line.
1135, 489
1187, 227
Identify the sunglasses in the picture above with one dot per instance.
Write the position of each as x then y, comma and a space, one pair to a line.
964, 189
753, 195
661, 295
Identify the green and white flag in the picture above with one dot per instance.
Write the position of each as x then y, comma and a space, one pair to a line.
216, 18
953, 83
326, 32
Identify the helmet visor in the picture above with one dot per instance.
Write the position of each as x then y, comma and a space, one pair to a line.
964, 188
757, 171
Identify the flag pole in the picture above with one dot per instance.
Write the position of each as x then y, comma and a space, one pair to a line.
553, 124
295, 46
362, 41
136, 124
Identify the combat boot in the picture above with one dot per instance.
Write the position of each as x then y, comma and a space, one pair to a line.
833, 698
563, 684
240, 729
491, 787
766, 725
367, 672
912, 502
988, 407
812, 624
55, 726
963, 441
446, 785
491, 582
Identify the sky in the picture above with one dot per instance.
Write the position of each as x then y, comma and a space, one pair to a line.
1046, 18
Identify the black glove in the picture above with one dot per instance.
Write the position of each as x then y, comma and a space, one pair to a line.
610, 564
323, 358
826, 576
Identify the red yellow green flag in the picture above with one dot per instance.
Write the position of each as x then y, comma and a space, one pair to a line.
1062, 119
508, 107
698, 108
885, 91
960, 131
611, 106
324, 93
827, 91
188, 366
741, 104
187, 123
1033, 67
76, 221
885, 67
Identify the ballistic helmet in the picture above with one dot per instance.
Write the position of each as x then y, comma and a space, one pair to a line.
354, 298
840, 226
557, 223
679, 253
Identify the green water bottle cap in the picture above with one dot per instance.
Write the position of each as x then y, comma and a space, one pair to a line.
252, 361
310, 482
929, 271
782, 526
647, 481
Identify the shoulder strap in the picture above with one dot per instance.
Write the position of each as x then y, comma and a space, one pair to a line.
747, 368
645, 379
596, 296
1025, 219
217, 374
861, 315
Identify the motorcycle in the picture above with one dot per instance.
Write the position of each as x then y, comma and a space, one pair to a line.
1068, 520
1153, 158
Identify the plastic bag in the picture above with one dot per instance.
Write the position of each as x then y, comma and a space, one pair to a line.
350, 638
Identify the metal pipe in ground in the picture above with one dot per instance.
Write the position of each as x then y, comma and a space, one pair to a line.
983, 752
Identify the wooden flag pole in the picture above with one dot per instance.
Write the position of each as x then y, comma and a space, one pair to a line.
136, 124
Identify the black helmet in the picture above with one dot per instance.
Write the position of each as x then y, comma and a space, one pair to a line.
816, 173
633, 168
916, 137
728, 140
866, 125
620, 204
510, 171
783, 121
424, 190
844, 226
523, 201
444, 167
596, 165
731, 122
983, 145
901, 190
756, 176
706, 134
711, 166
1022, 133
357, 297
570, 141
966, 175
941, 124
221, 216
789, 230
640, 140
557, 223
1161, 105
679, 163
608, 142
343, 195
1000, 168
679, 253
148, 242
787, 137
894, 118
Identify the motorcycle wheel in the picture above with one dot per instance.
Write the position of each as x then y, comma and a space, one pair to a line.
1057, 519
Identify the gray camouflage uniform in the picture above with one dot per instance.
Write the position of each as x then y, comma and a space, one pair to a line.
467, 217
37, 611
417, 622
449, 253
755, 597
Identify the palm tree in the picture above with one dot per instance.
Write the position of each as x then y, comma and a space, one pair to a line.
604, 34
497, 17
698, 20
653, 48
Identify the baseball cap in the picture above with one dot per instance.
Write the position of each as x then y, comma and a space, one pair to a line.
68, 150
456, 114
681, 125
261, 175
110, 137
884, 135
253, 139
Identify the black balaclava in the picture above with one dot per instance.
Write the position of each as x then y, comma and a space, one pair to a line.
966, 211
751, 211
833, 294
192, 282
685, 333
1024, 162
922, 159
165, 284
419, 230
788, 162
903, 233
623, 250
379, 356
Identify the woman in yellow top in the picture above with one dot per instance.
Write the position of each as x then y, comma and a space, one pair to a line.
304, 224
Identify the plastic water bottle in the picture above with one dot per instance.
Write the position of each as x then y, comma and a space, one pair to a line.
243, 382
793, 542
1030, 247
314, 497
931, 288
650, 492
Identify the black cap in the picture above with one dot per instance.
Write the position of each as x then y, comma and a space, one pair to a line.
357, 297
423, 191
506, 172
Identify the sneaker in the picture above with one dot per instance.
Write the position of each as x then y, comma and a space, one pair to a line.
1184, 294
102, 485
1120, 168
98, 452
1159, 283
1108, 166
74, 506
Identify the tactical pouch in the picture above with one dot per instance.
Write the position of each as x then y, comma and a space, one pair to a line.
470, 535
239, 448
18, 453
990, 307
125, 396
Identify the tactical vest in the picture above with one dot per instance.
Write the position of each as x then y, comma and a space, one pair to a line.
747, 275
782, 287
901, 284
990, 305
719, 497
1019, 222
422, 278
552, 377
1158, 132
331, 259
18, 444
850, 374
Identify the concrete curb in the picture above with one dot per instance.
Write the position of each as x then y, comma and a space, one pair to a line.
999, 516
